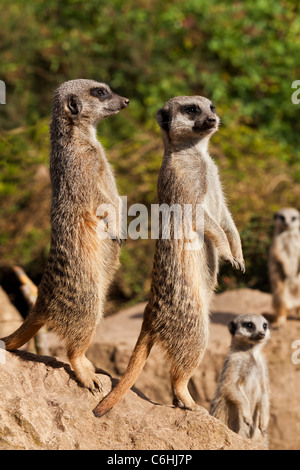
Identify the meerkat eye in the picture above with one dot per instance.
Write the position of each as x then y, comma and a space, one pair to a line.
192, 109
294, 219
265, 326
249, 325
212, 108
99, 92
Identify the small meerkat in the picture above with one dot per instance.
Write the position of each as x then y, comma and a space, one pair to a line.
183, 280
81, 262
284, 264
242, 396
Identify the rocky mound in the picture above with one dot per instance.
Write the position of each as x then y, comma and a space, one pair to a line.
43, 407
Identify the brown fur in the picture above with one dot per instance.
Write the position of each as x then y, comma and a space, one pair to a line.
80, 265
183, 281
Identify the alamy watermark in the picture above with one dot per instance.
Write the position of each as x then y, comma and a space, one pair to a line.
296, 94
2, 92
2, 353
296, 354
176, 222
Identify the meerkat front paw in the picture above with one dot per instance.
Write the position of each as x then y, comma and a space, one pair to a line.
237, 263
241, 264
230, 259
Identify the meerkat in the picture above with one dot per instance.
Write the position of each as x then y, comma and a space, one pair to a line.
81, 263
284, 264
183, 280
242, 396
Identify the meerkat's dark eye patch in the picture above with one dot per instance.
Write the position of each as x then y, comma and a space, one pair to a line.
294, 218
190, 109
248, 324
279, 217
212, 108
265, 326
100, 93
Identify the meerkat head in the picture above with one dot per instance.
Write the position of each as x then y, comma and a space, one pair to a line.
249, 329
188, 117
287, 219
86, 101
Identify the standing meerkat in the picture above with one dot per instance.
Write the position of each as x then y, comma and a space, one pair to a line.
177, 314
242, 397
284, 264
81, 264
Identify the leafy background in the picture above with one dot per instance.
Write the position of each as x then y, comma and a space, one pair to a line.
244, 55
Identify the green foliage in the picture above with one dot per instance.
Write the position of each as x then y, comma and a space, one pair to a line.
242, 54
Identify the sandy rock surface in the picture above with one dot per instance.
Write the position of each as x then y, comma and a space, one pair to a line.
43, 407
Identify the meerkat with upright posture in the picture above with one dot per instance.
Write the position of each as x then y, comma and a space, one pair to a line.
81, 262
183, 280
242, 397
284, 264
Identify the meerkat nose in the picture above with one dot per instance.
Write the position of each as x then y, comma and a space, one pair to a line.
261, 334
211, 119
125, 102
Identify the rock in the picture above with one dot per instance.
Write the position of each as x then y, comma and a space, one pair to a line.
145, 422
43, 408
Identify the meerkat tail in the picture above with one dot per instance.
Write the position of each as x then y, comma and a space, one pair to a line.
28, 288
137, 361
22, 335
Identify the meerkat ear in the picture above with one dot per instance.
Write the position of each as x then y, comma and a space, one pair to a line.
163, 118
232, 327
73, 105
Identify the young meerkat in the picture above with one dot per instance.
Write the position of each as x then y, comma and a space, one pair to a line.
183, 280
81, 262
242, 397
284, 264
